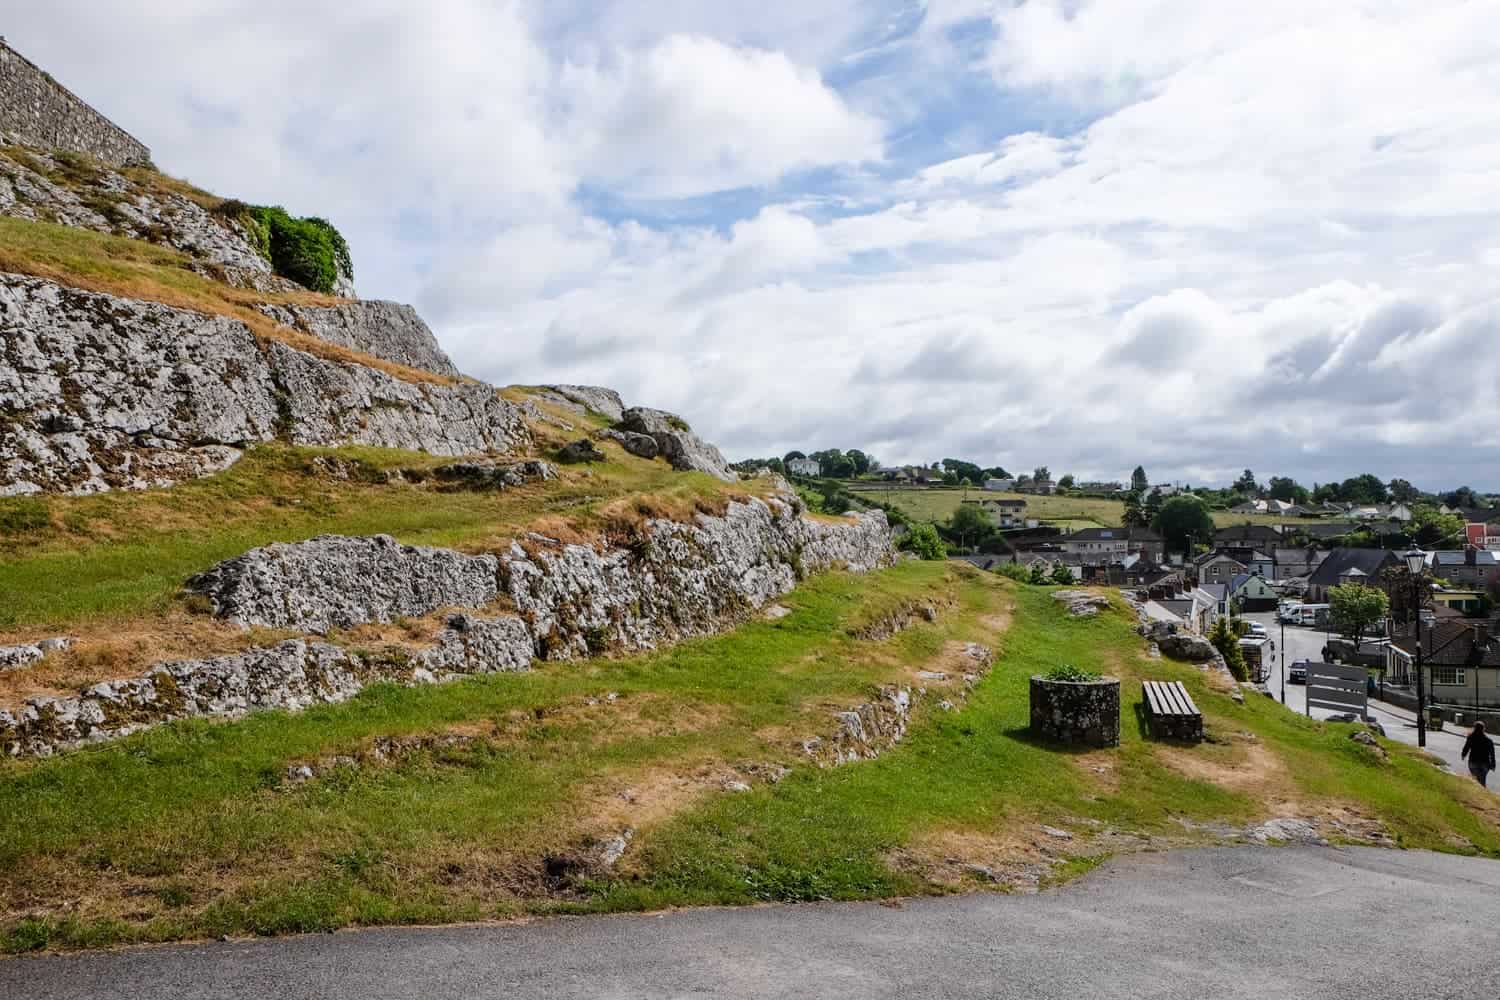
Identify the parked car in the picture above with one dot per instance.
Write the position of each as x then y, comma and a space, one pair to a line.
1256, 628
1297, 672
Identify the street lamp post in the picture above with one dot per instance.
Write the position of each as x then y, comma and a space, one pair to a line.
1416, 559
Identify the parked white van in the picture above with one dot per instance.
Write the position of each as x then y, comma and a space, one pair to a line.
1312, 614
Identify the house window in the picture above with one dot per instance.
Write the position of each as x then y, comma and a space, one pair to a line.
1447, 675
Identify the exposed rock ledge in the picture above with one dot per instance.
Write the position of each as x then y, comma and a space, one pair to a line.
681, 580
386, 330
99, 392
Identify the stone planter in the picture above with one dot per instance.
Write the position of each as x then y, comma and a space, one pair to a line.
1083, 713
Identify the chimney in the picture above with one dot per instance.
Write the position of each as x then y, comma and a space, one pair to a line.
1471, 556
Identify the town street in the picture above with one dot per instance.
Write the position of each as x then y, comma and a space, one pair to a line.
1399, 723
1238, 922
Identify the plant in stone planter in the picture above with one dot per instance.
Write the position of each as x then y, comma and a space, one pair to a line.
1068, 672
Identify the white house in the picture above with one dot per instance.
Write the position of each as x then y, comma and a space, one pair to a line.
804, 467
1000, 485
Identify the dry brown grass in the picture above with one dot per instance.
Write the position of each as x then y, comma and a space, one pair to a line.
104, 652
134, 269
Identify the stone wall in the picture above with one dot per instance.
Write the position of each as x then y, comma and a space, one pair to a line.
39, 111
99, 392
682, 580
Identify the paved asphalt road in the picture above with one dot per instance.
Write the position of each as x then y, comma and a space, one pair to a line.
1399, 723
1217, 922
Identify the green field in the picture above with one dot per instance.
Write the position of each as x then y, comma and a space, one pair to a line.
1070, 513
939, 505
193, 830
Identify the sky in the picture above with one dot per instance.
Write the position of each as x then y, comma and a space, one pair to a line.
1089, 234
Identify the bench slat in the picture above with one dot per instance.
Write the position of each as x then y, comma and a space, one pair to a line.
1153, 702
1187, 700
1179, 698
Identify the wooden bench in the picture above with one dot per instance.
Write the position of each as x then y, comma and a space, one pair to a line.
1170, 712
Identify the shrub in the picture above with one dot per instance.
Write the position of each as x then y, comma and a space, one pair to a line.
1224, 639
1014, 571
1062, 574
924, 541
1038, 574
1068, 672
309, 251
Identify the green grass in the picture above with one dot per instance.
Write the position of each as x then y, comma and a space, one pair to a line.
1070, 513
71, 561
189, 831
939, 505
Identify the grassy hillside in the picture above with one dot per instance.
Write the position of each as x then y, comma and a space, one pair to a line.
108, 569
194, 830
1062, 511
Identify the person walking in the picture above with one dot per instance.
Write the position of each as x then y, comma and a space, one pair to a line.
1479, 750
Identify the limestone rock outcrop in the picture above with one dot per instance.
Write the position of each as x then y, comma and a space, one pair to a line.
335, 581
639, 445
605, 402
99, 392
680, 580
677, 442
571, 600
386, 330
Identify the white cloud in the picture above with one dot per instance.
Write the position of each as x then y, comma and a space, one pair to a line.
692, 115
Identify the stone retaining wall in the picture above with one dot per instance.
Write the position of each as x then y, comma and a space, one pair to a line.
42, 112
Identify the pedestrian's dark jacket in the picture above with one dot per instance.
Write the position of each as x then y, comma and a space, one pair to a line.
1483, 750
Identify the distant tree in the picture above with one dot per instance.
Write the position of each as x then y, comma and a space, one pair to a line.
998, 472
1403, 492
1354, 609
1286, 488
1431, 527
970, 525
1041, 474
1183, 521
1326, 493
789, 456
1134, 515
1038, 573
950, 479
833, 463
1062, 574
1363, 488
924, 541
1461, 497
1066, 482
1397, 583
859, 459
964, 470
1152, 505
1246, 484
1138, 481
